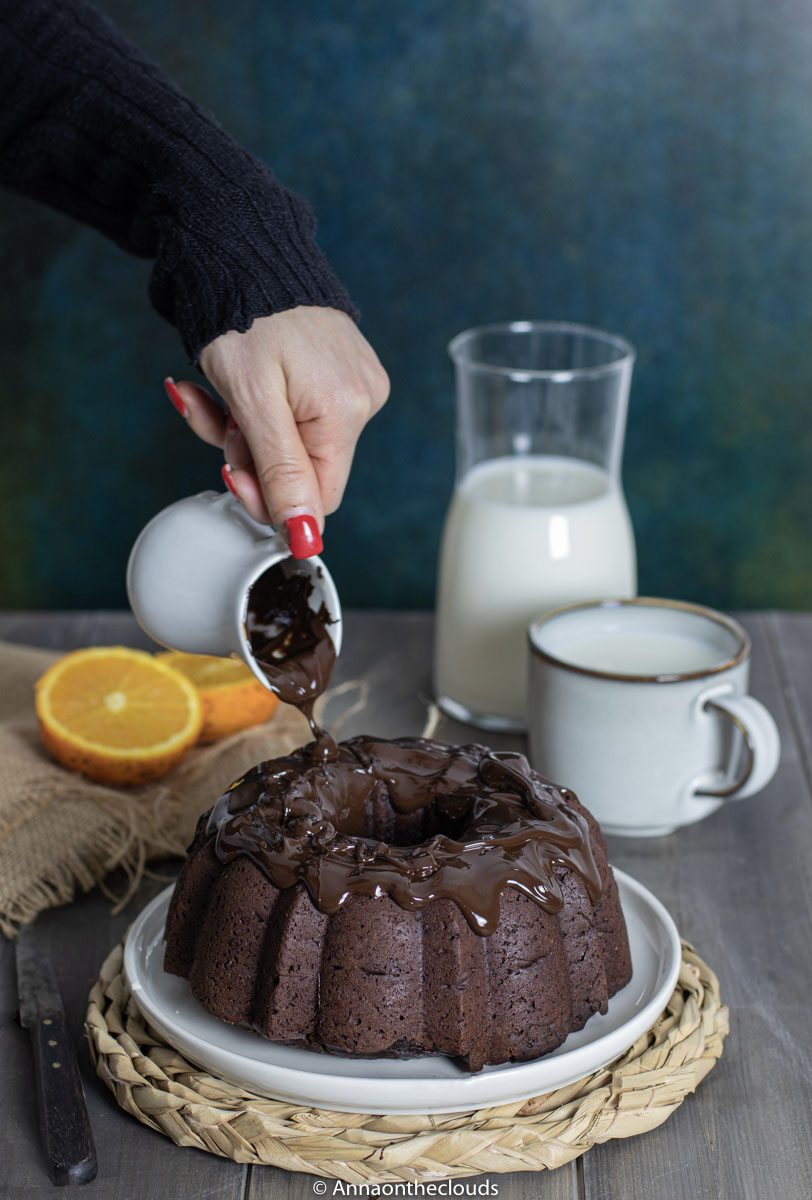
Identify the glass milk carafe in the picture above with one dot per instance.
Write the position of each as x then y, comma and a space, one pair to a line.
538, 518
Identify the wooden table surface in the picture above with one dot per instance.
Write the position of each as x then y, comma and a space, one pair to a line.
738, 884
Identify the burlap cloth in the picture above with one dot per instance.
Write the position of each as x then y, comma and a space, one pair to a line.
61, 833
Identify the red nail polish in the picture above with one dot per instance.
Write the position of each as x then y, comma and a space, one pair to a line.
175, 396
231, 424
305, 539
228, 481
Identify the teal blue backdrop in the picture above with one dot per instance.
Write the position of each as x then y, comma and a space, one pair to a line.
642, 166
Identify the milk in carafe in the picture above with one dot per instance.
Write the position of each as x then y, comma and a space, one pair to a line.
523, 535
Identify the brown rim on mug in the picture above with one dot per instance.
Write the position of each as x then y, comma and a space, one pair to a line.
644, 602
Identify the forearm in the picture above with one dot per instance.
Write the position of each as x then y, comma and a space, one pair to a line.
90, 126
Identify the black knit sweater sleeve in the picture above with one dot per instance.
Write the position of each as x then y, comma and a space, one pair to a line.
90, 126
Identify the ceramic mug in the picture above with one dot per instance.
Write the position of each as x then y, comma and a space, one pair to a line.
191, 569
641, 707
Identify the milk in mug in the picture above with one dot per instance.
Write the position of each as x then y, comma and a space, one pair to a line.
642, 654
523, 534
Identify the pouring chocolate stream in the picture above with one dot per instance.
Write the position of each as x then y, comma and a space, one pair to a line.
335, 816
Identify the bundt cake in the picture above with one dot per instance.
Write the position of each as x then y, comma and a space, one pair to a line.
405, 897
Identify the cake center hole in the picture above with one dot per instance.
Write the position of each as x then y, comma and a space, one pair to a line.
447, 816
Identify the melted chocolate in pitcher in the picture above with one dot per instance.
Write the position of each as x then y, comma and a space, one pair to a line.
291, 644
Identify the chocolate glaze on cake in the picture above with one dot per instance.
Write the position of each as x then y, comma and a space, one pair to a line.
484, 822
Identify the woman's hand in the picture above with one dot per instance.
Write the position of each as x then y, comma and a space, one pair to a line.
299, 386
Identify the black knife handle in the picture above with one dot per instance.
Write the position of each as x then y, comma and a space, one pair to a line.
64, 1123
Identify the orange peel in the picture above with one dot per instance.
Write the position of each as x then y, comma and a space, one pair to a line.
231, 696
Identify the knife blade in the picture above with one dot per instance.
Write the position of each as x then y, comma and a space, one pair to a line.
63, 1118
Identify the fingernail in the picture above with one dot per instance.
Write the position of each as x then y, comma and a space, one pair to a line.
303, 534
228, 481
175, 396
231, 425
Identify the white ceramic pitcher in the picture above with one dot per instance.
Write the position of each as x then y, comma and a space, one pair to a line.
192, 567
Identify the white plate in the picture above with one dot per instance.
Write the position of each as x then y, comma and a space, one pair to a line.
432, 1084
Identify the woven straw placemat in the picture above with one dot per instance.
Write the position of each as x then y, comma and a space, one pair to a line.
635, 1093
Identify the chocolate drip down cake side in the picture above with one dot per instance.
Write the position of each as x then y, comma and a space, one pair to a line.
397, 898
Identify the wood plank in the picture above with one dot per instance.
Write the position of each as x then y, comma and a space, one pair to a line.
133, 1161
389, 652
72, 630
739, 888
791, 639
393, 653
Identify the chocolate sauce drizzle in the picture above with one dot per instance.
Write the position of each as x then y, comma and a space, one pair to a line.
492, 823
334, 816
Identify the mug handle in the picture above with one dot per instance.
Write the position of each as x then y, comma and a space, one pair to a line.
762, 744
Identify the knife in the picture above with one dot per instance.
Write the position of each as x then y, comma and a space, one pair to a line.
64, 1123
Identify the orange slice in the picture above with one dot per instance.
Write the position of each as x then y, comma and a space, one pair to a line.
118, 716
231, 696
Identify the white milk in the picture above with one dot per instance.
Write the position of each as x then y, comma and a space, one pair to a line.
641, 653
522, 536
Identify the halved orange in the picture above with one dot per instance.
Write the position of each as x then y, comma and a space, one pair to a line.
231, 696
117, 715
